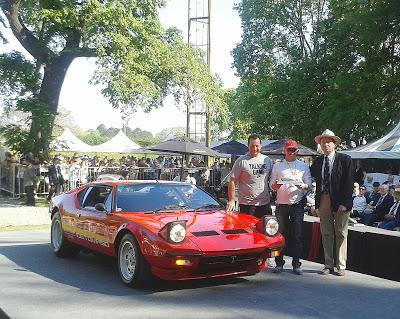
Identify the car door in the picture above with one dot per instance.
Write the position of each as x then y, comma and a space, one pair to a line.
95, 228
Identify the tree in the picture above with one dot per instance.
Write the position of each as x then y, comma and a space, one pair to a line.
306, 65
170, 132
278, 62
92, 137
363, 45
138, 62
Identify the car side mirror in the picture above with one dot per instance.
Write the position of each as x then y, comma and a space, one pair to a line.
100, 207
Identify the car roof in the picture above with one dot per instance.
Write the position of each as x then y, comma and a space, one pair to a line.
136, 182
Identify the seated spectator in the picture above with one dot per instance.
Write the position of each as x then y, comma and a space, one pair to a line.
390, 181
375, 194
379, 208
359, 202
392, 219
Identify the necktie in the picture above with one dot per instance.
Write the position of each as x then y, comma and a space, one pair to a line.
393, 209
325, 187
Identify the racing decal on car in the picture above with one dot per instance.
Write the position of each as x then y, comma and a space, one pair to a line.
88, 236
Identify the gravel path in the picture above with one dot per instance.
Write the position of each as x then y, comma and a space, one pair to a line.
13, 213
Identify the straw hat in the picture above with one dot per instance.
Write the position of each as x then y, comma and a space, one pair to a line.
330, 134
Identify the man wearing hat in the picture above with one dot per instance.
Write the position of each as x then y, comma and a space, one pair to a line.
56, 179
333, 173
290, 179
392, 219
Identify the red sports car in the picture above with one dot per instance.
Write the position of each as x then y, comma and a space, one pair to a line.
171, 230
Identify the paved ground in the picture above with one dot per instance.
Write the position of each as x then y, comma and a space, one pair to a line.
14, 213
36, 284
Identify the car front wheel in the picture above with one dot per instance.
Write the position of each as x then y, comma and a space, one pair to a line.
61, 247
133, 268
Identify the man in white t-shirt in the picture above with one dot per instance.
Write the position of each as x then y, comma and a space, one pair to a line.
290, 179
251, 173
186, 178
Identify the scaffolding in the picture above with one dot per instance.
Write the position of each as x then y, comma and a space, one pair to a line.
198, 124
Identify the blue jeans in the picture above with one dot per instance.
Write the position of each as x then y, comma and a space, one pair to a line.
290, 219
389, 224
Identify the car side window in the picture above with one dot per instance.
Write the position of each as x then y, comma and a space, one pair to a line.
83, 195
108, 202
96, 194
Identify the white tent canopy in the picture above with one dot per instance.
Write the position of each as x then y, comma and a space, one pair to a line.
67, 141
120, 143
387, 147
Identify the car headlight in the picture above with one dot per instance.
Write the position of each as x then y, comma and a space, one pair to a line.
268, 225
271, 226
174, 232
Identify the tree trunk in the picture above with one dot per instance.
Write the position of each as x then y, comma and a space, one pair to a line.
49, 95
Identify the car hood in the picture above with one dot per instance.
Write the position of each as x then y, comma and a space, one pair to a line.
212, 231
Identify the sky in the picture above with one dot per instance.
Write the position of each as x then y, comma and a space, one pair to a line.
90, 109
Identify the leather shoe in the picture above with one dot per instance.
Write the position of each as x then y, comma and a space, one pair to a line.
340, 272
326, 271
278, 269
297, 271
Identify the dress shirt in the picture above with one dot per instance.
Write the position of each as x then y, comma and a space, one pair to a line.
331, 158
393, 209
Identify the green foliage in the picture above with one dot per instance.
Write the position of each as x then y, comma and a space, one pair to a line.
17, 139
171, 132
138, 62
307, 65
93, 137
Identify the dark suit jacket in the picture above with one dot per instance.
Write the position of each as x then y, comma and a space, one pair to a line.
397, 214
341, 188
383, 208
54, 174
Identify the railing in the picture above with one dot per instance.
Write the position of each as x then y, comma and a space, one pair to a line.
12, 177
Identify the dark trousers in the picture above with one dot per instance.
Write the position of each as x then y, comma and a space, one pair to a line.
389, 224
30, 195
54, 189
290, 219
257, 211
370, 219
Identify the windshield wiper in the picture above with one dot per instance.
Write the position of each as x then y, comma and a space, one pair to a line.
208, 207
167, 208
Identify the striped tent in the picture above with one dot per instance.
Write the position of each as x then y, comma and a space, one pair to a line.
387, 147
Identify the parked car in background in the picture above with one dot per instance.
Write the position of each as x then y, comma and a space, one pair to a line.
170, 230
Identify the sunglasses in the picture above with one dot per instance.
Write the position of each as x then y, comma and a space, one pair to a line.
292, 150
362, 188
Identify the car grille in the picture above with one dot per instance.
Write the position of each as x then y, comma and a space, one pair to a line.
227, 263
205, 233
235, 231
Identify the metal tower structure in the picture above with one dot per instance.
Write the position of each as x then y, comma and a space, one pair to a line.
198, 123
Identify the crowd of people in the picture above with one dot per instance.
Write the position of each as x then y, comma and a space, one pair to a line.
29, 177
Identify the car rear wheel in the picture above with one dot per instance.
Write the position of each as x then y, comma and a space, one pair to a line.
61, 247
133, 268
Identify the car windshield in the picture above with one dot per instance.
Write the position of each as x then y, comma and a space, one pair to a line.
154, 197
